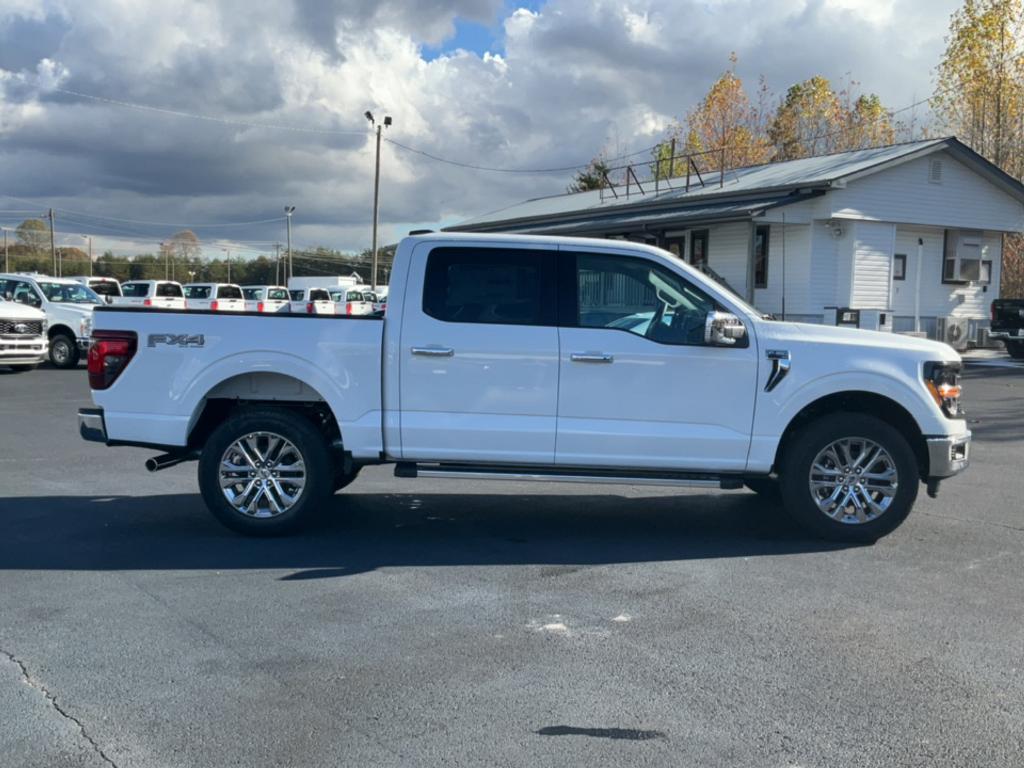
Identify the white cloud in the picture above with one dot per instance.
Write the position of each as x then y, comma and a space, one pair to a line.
573, 77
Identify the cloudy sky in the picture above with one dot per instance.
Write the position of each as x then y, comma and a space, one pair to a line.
243, 106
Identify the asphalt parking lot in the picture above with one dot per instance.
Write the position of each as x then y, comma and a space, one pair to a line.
431, 622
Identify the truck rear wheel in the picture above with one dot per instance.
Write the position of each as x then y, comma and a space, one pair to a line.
849, 477
265, 471
1015, 349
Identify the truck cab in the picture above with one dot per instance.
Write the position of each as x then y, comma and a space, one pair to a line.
537, 358
68, 306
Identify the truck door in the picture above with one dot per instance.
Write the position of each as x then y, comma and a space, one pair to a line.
479, 354
638, 386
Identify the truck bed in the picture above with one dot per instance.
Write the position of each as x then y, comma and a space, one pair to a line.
186, 357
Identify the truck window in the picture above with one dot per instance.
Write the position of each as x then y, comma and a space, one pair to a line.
105, 288
490, 285
297, 295
253, 294
229, 292
197, 291
319, 294
135, 290
277, 294
168, 290
641, 297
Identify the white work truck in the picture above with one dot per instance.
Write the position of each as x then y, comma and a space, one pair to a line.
503, 357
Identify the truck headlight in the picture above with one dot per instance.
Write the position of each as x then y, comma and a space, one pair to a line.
85, 327
943, 382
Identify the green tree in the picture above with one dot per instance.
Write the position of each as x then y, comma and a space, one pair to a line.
594, 176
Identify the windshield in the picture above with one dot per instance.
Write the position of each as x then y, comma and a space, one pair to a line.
725, 288
69, 293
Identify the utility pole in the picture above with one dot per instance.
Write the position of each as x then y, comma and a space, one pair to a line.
167, 260
53, 248
376, 194
228, 260
7, 255
277, 263
288, 211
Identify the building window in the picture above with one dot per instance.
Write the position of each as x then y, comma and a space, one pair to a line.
986, 272
699, 248
761, 257
899, 266
962, 257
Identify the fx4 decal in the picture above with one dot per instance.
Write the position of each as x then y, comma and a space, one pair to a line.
176, 340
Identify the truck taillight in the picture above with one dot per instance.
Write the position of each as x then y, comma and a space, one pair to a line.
259, 306
309, 308
348, 308
214, 305
109, 354
147, 302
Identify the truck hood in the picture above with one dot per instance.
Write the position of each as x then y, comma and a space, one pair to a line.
13, 309
921, 349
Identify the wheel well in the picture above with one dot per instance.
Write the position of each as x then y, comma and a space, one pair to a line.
60, 329
860, 402
263, 390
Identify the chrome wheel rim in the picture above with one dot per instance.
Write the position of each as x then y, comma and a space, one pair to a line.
262, 474
853, 480
61, 353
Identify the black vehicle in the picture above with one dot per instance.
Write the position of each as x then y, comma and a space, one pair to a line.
1008, 325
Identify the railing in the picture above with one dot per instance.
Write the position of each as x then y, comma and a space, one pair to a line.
661, 175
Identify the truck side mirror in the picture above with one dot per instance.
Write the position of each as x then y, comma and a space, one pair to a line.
723, 329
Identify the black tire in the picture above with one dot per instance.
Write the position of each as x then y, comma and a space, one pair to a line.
765, 487
63, 351
1015, 349
343, 479
309, 444
814, 438
21, 368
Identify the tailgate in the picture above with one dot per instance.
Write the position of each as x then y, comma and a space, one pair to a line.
1007, 314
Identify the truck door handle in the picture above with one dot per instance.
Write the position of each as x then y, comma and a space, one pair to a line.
433, 351
591, 357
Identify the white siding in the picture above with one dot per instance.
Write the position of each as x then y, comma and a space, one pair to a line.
793, 244
825, 249
727, 253
872, 257
938, 298
903, 193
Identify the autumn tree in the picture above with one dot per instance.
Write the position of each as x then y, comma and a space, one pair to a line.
979, 89
866, 124
807, 121
34, 235
593, 176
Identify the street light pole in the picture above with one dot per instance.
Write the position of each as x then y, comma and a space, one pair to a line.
167, 260
7, 255
228, 260
288, 211
376, 195
277, 263
53, 248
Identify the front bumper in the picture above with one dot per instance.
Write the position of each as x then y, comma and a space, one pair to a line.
948, 455
1016, 334
83, 344
18, 351
91, 425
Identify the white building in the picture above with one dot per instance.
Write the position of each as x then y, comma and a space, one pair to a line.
799, 239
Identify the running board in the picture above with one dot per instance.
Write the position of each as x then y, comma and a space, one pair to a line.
409, 469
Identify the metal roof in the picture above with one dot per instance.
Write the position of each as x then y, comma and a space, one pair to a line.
759, 181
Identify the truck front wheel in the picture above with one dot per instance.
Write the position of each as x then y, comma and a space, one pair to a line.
849, 477
264, 471
63, 351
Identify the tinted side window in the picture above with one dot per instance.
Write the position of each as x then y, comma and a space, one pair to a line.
197, 291
277, 294
135, 290
168, 290
489, 285
319, 294
632, 294
229, 292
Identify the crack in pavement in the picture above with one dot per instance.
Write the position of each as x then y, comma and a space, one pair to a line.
37, 684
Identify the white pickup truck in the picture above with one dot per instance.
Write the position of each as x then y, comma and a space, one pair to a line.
502, 357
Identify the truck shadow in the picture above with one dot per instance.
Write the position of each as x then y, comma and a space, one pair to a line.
363, 532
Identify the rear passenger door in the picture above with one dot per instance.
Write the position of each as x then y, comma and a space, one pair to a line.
479, 355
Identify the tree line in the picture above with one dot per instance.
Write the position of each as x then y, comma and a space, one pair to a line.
181, 257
